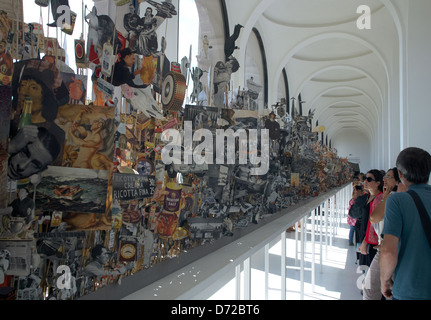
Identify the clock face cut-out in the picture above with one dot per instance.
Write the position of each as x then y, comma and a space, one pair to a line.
127, 252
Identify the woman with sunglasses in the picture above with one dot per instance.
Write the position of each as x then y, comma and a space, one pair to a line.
391, 184
366, 237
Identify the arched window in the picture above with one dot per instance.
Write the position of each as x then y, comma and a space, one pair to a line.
188, 31
256, 66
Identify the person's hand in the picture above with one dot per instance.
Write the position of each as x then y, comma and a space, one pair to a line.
24, 136
386, 288
357, 193
387, 191
363, 248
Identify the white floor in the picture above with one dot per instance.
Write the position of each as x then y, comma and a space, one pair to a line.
336, 279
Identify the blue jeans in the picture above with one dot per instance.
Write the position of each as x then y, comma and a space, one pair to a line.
351, 234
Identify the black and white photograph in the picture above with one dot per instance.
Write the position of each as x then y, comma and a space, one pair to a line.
18, 253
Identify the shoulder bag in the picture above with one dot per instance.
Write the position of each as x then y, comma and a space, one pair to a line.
426, 222
357, 208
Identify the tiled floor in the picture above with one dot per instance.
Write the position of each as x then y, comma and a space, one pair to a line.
336, 279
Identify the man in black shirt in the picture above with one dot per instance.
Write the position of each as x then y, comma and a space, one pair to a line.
273, 126
122, 73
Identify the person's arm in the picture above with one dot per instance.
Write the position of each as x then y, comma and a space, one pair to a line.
388, 263
378, 214
24, 136
89, 143
76, 125
7, 210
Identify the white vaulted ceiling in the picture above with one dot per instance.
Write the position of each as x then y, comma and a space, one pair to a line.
342, 72
352, 78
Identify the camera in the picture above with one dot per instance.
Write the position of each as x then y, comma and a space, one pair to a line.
359, 187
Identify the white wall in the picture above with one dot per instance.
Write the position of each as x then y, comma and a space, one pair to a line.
419, 72
355, 144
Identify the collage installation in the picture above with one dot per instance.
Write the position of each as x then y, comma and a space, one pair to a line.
84, 188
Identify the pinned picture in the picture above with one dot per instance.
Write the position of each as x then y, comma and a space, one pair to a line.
38, 91
294, 179
18, 217
133, 186
145, 166
90, 138
77, 87
101, 30
5, 105
72, 190
18, 255
80, 53
6, 65
31, 150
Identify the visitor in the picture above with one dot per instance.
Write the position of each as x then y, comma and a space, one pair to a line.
391, 181
358, 190
405, 253
367, 237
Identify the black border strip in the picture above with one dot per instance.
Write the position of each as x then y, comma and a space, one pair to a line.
265, 65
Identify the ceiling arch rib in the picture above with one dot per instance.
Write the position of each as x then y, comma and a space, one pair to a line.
314, 100
346, 106
328, 111
364, 74
329, 59
344, 80
363, 120
323, 36
359, 125
360, 111
330, 13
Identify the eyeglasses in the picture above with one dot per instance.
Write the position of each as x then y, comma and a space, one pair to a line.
369, 179
388, 177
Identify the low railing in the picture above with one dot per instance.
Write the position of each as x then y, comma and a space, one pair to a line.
202, 278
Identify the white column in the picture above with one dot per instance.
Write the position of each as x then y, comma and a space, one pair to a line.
266, 270
313, 249
238, 282
296, 243
283, 266
303, 242
321, 238
247, 279
333, 219
326, 226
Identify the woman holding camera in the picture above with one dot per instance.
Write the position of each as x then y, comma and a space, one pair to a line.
358, 190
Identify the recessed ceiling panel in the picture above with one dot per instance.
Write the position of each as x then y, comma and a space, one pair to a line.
332, 50
342, 93
338, 75
309, 14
